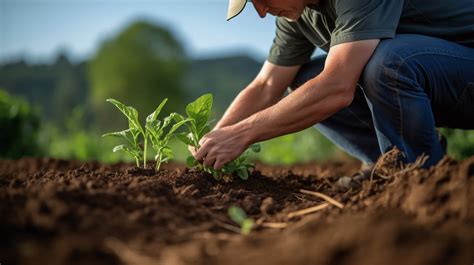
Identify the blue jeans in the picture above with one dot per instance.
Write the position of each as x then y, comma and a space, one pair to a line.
411, 85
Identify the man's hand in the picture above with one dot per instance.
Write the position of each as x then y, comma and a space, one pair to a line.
221, 146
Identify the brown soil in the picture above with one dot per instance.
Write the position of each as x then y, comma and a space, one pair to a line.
66, 212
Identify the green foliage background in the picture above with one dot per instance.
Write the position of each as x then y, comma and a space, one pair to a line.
77, 141
140, 66
460, 142
19, 125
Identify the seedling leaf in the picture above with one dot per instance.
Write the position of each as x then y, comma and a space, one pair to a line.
125, 134
239, 216
200, 110
203, 131
243, 173
129, 112
175, 127
191, 161
125, 149
154, 115
185, 137
255, 148
247, 226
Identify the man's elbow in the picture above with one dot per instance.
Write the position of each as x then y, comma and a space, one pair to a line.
266, 93
345, 96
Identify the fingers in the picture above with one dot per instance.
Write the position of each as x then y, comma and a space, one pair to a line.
200, 153
202, 141
205, 156
192, 149
219, 164
209, 161
209, 157
218, 148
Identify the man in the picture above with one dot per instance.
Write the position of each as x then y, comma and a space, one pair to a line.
394, 70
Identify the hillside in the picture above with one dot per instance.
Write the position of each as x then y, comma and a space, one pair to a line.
59, 87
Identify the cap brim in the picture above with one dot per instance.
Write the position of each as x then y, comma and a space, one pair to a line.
235, 8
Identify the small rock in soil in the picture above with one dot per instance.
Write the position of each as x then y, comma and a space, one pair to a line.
251, 204
268, 206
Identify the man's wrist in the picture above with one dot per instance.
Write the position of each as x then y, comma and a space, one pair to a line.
247, 131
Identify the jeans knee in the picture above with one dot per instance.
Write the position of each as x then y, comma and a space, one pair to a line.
395, 64
381, 68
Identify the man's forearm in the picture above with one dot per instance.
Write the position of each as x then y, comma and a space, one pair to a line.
252, 99
313, 102
332, 90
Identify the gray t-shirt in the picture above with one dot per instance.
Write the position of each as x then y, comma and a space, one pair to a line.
332, 22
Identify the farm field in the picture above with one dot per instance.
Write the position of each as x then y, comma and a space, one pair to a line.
164, 133
67, 212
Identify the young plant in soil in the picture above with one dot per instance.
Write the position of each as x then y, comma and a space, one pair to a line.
198, 113
239, 216
159, 134
156, 131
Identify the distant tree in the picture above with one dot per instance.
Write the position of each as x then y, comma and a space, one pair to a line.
140, 67
54, 88
224, 77
71, 87
19, 125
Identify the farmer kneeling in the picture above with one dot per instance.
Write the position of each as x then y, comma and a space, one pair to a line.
394, 70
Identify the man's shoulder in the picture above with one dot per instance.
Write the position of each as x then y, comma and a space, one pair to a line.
307, 18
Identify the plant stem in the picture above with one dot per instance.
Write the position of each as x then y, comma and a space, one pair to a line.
158, 163
136, 160
144, 151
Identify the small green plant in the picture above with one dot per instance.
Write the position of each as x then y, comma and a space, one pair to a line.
239, 216
130, 135
240, 166
198, 113
155, 131
159, 137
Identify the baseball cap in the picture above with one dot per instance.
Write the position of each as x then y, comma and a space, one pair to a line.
235, 8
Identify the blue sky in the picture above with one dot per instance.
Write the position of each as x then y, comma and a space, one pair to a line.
38, 29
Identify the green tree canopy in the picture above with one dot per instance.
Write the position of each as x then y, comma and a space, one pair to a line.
19, 125
140, 66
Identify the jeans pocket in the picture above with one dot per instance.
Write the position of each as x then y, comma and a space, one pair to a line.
462, 114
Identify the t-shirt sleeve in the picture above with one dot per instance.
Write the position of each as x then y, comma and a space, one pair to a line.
365, 19
290, 47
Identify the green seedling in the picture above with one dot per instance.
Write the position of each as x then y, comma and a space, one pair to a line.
239, 216
240, 165
159, 134
198, 113
156, 131
130, 135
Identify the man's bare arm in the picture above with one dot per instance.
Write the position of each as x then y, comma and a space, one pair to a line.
318, 98
264, 91
314, 101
